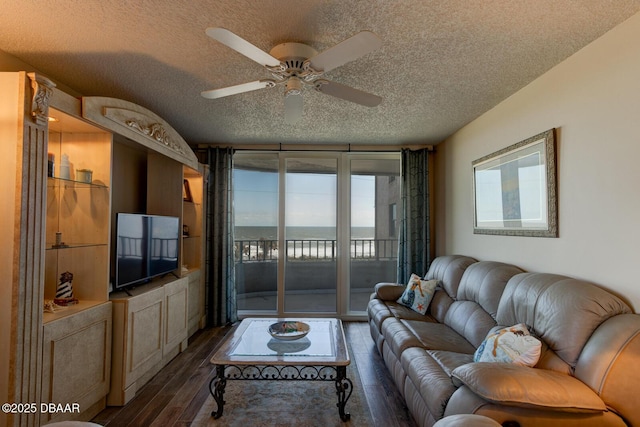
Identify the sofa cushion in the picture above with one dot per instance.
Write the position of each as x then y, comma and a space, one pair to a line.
377, 311
469, 320
433, 384
473, 314
553, 304
418, 293
384, 305
398, 337
609, 365
450, 360
484, 282
449, 269
467, 420
436, 336
403, 312
517, 385
440, 304
510, 345
388, 291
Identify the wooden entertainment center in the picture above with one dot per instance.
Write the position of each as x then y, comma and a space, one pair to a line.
80, 161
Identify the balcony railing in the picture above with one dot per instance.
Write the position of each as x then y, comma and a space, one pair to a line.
321, 250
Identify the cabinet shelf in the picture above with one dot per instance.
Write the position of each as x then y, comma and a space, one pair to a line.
70, 183
51, 246
78, 213
193, 222
69, 310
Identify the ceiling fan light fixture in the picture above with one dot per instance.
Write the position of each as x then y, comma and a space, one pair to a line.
293, 87
292, 108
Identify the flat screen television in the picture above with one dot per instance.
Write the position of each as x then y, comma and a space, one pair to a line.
146, 247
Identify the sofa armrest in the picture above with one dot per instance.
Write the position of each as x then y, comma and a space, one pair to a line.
388, 291
516, 385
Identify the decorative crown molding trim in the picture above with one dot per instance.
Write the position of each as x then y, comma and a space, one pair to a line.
42, 89
155, 131
140, 125
150, 129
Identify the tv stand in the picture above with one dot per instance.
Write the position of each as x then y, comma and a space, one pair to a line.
150, 327
172, 273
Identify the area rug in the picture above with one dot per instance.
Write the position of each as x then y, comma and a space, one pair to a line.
287, 403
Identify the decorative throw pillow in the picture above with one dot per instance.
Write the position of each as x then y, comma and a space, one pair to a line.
511, 345
418, 294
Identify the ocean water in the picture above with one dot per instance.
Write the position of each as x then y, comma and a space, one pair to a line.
300, 233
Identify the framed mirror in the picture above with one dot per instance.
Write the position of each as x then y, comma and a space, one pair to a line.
515, 189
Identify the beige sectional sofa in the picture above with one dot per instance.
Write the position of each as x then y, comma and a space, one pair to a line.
588, 372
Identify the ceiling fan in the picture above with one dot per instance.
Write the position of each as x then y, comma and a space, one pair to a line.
294, 64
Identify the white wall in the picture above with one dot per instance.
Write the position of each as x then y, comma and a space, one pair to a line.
593, 100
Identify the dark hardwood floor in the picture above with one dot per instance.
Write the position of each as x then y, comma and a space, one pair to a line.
174, 396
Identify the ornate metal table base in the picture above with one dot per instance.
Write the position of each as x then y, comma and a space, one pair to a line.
338, 374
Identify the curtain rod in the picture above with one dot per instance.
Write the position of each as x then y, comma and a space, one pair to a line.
319, 147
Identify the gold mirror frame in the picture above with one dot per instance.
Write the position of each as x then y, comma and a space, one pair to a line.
514, 189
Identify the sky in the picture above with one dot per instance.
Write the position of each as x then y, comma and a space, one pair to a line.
311, 199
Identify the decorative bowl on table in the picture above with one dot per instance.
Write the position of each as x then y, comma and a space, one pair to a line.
288, 330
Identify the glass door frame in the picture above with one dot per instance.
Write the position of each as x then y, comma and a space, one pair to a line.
281, 292
343, 231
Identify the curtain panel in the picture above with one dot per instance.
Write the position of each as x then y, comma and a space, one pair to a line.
414, 243
219, 270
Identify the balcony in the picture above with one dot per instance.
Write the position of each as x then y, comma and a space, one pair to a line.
372, 261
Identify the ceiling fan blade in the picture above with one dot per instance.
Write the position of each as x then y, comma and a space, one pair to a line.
242, 46
347, 93
345, 51
292, 108
233, 90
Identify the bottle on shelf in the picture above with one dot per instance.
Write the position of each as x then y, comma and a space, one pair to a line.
64, 167
51, 161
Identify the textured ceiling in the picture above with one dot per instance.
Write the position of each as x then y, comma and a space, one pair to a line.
442, 63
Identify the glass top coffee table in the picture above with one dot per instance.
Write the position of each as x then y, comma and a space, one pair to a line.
252, 353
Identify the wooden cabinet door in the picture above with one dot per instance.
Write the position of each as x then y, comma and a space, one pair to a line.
177, 316
77, 361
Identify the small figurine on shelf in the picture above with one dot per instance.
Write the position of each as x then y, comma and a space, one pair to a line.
64, 292
59, 243
50, 306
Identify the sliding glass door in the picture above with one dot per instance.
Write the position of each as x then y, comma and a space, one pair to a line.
375, 200
255, 206
310, 220
314, 232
